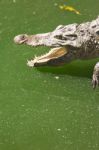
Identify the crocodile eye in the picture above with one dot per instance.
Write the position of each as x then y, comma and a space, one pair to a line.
97, 32
58, 36
94, 26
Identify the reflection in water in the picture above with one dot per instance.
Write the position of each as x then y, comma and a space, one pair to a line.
76, 68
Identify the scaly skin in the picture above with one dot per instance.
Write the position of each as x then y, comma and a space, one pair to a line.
74, 41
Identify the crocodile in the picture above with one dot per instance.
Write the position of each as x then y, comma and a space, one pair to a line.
67, 42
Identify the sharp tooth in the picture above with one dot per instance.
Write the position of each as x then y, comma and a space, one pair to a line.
30, 63
35, 57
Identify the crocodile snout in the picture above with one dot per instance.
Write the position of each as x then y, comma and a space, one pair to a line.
19, 39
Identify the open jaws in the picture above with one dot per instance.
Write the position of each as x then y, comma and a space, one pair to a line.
55, 53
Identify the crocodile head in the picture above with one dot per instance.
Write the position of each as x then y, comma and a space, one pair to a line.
76, 40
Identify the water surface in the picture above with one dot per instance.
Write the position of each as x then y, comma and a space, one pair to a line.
46, 108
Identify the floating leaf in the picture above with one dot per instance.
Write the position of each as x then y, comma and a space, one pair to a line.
69, 8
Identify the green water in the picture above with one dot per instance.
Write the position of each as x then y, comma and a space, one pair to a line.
45, 108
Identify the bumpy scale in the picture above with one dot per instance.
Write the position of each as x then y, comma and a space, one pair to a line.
68, 42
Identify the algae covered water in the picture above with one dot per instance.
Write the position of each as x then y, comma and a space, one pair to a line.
46, 108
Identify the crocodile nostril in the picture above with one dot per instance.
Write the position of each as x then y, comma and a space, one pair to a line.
23, 37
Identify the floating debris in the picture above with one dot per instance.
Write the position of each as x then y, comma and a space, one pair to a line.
55, 4
57, 77
69, 8
59, 129
14, 1
45, 81
34, 13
